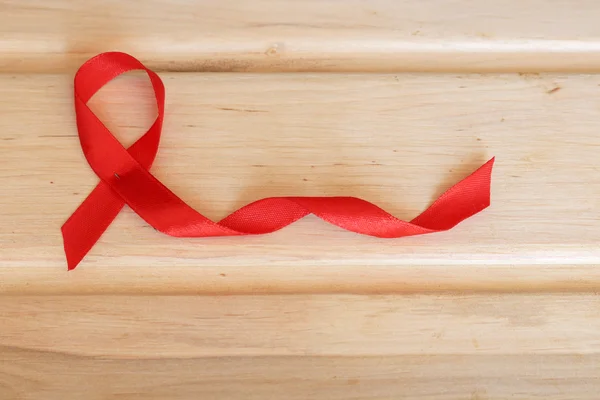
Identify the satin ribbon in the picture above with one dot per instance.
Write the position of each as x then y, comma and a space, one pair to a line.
125, 179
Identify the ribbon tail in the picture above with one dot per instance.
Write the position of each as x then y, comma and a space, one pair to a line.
87, 224
461, 201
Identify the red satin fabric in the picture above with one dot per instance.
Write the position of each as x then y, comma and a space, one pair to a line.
125, 179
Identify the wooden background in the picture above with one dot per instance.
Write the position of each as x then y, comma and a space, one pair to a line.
389, 100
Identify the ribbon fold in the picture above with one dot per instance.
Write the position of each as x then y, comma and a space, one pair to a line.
125, 179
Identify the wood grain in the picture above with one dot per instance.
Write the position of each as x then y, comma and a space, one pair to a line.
504, 306
313, 35
51, 376
363, 347
361, 135
295, 325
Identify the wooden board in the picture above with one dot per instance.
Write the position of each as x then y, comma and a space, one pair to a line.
503, 306
321, 347
360, 135
439, 377
305, 35
295, 325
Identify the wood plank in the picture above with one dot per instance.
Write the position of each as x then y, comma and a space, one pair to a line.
138, 327
396, 140
55, 376
308, 35
329, 347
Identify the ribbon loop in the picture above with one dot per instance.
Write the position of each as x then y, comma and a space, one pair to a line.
125, 179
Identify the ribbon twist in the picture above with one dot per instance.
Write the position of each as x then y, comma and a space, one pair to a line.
125, 179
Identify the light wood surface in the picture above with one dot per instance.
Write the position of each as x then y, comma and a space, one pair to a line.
305, 35
361, 135
299, 347
503, 306
438, 377
294, 325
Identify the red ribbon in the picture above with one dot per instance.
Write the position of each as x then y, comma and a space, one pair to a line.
125, 179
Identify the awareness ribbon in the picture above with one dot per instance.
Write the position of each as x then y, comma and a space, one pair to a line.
125, 179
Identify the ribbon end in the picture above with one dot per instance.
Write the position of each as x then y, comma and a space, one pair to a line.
71, 265
486, 172
73, 255
461, 201
491, 161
